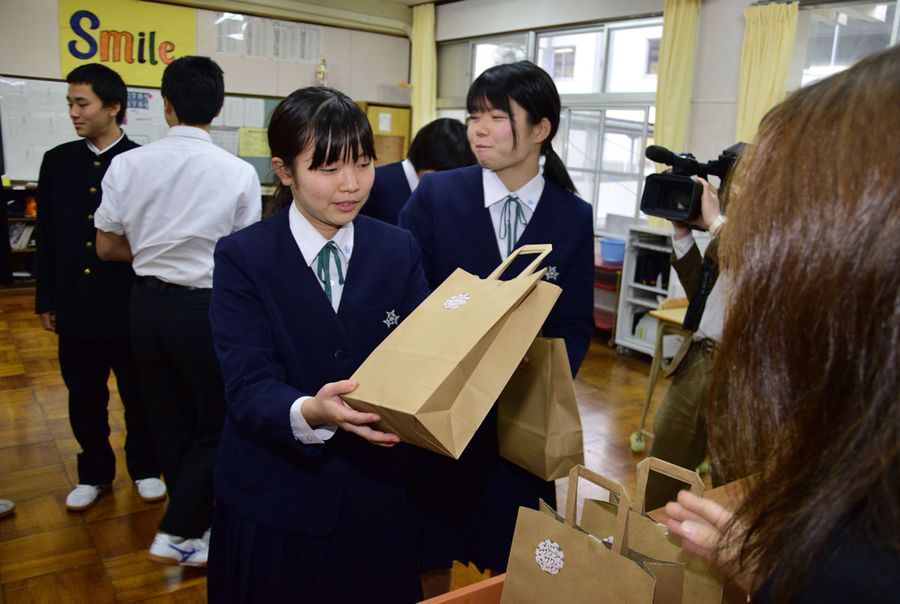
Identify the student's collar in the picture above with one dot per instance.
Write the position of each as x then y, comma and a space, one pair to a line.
310, 241
189, 132
96, 151
495, 191
410, 172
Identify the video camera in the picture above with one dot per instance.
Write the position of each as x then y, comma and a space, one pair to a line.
673, 194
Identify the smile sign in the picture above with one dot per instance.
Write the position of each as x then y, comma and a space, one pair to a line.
137, 39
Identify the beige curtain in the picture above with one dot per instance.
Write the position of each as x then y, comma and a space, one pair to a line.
769, 35
676, 73
423, 67
676, 76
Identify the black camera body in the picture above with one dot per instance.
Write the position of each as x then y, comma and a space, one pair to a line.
674, 195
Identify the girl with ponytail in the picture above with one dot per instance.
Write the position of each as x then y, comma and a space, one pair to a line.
472, 218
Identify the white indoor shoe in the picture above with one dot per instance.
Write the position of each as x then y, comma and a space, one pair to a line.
170, 549
151, 489
84, 496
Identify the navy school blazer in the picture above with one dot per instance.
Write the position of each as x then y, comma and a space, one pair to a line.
389, 193
278, 338
446, 214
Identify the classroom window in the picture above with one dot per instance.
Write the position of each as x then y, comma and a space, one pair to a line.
564, 62
840, 35
573, 59
498, 51
628, 59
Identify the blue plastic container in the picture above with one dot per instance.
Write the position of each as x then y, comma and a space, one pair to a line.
612, 251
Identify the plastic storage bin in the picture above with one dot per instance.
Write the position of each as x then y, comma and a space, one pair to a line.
612, 251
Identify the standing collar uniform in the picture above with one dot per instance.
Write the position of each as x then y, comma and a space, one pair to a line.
89, 296
172, 236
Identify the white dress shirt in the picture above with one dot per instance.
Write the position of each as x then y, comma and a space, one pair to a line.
174, 199
97, 151
412, 178
495, 193
712, 321
310, 241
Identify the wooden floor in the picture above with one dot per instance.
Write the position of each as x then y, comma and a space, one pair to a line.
50, 555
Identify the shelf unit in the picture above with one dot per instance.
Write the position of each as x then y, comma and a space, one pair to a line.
638, 294
17, 261
607, 280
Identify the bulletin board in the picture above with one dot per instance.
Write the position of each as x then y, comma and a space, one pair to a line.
34, 118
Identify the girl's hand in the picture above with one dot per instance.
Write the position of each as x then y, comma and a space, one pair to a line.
327, 407
701, 524
709, 205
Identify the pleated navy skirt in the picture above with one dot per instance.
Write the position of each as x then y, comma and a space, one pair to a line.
374, 562
466, 509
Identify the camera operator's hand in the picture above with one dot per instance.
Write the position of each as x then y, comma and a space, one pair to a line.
709, 210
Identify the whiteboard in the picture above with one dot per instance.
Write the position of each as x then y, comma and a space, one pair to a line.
34, 118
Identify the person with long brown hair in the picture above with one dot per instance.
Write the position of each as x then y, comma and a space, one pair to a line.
808, 373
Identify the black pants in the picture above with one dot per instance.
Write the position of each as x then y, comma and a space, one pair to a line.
186, 400
85, 365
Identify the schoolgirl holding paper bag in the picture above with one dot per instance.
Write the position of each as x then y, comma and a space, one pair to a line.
311, 500
473, 218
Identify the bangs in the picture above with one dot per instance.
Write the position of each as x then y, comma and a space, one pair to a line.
488, 92
340, 132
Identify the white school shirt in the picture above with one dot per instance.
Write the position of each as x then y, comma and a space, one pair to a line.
412, 178
98, 151
174, 199
310, 241
495, 193
712, 321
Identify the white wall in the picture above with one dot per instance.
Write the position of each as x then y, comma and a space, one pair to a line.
361, 64
716, 71
470, 18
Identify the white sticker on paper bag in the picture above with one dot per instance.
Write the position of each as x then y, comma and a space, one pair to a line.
456, 301
549, 556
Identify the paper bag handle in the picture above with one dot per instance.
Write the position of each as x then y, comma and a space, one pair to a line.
618, 545
667, 469
541, 249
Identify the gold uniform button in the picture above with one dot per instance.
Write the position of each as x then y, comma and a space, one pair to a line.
90, 216
87, 271
88, 244
97, 163
92, 190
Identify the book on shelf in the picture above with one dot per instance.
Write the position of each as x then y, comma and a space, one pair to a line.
20, 234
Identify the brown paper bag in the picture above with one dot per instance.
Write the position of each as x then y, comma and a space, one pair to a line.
552, 560
538, 426
702, 584
436, 376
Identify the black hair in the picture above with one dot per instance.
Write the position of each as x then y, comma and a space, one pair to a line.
441, 145
195, 87
533, 89
325, 118
106, 84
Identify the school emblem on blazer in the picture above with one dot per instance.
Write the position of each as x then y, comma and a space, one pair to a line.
552, 274
391, 318
456, 301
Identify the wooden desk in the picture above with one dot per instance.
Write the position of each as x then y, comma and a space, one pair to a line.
669, 323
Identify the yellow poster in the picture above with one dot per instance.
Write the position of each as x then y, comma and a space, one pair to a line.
254, 142
136, 39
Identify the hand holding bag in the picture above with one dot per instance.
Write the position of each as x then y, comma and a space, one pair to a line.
702, 584
436, 376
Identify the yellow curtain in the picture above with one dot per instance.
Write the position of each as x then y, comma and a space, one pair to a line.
676, 76
423, 67
769, 35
